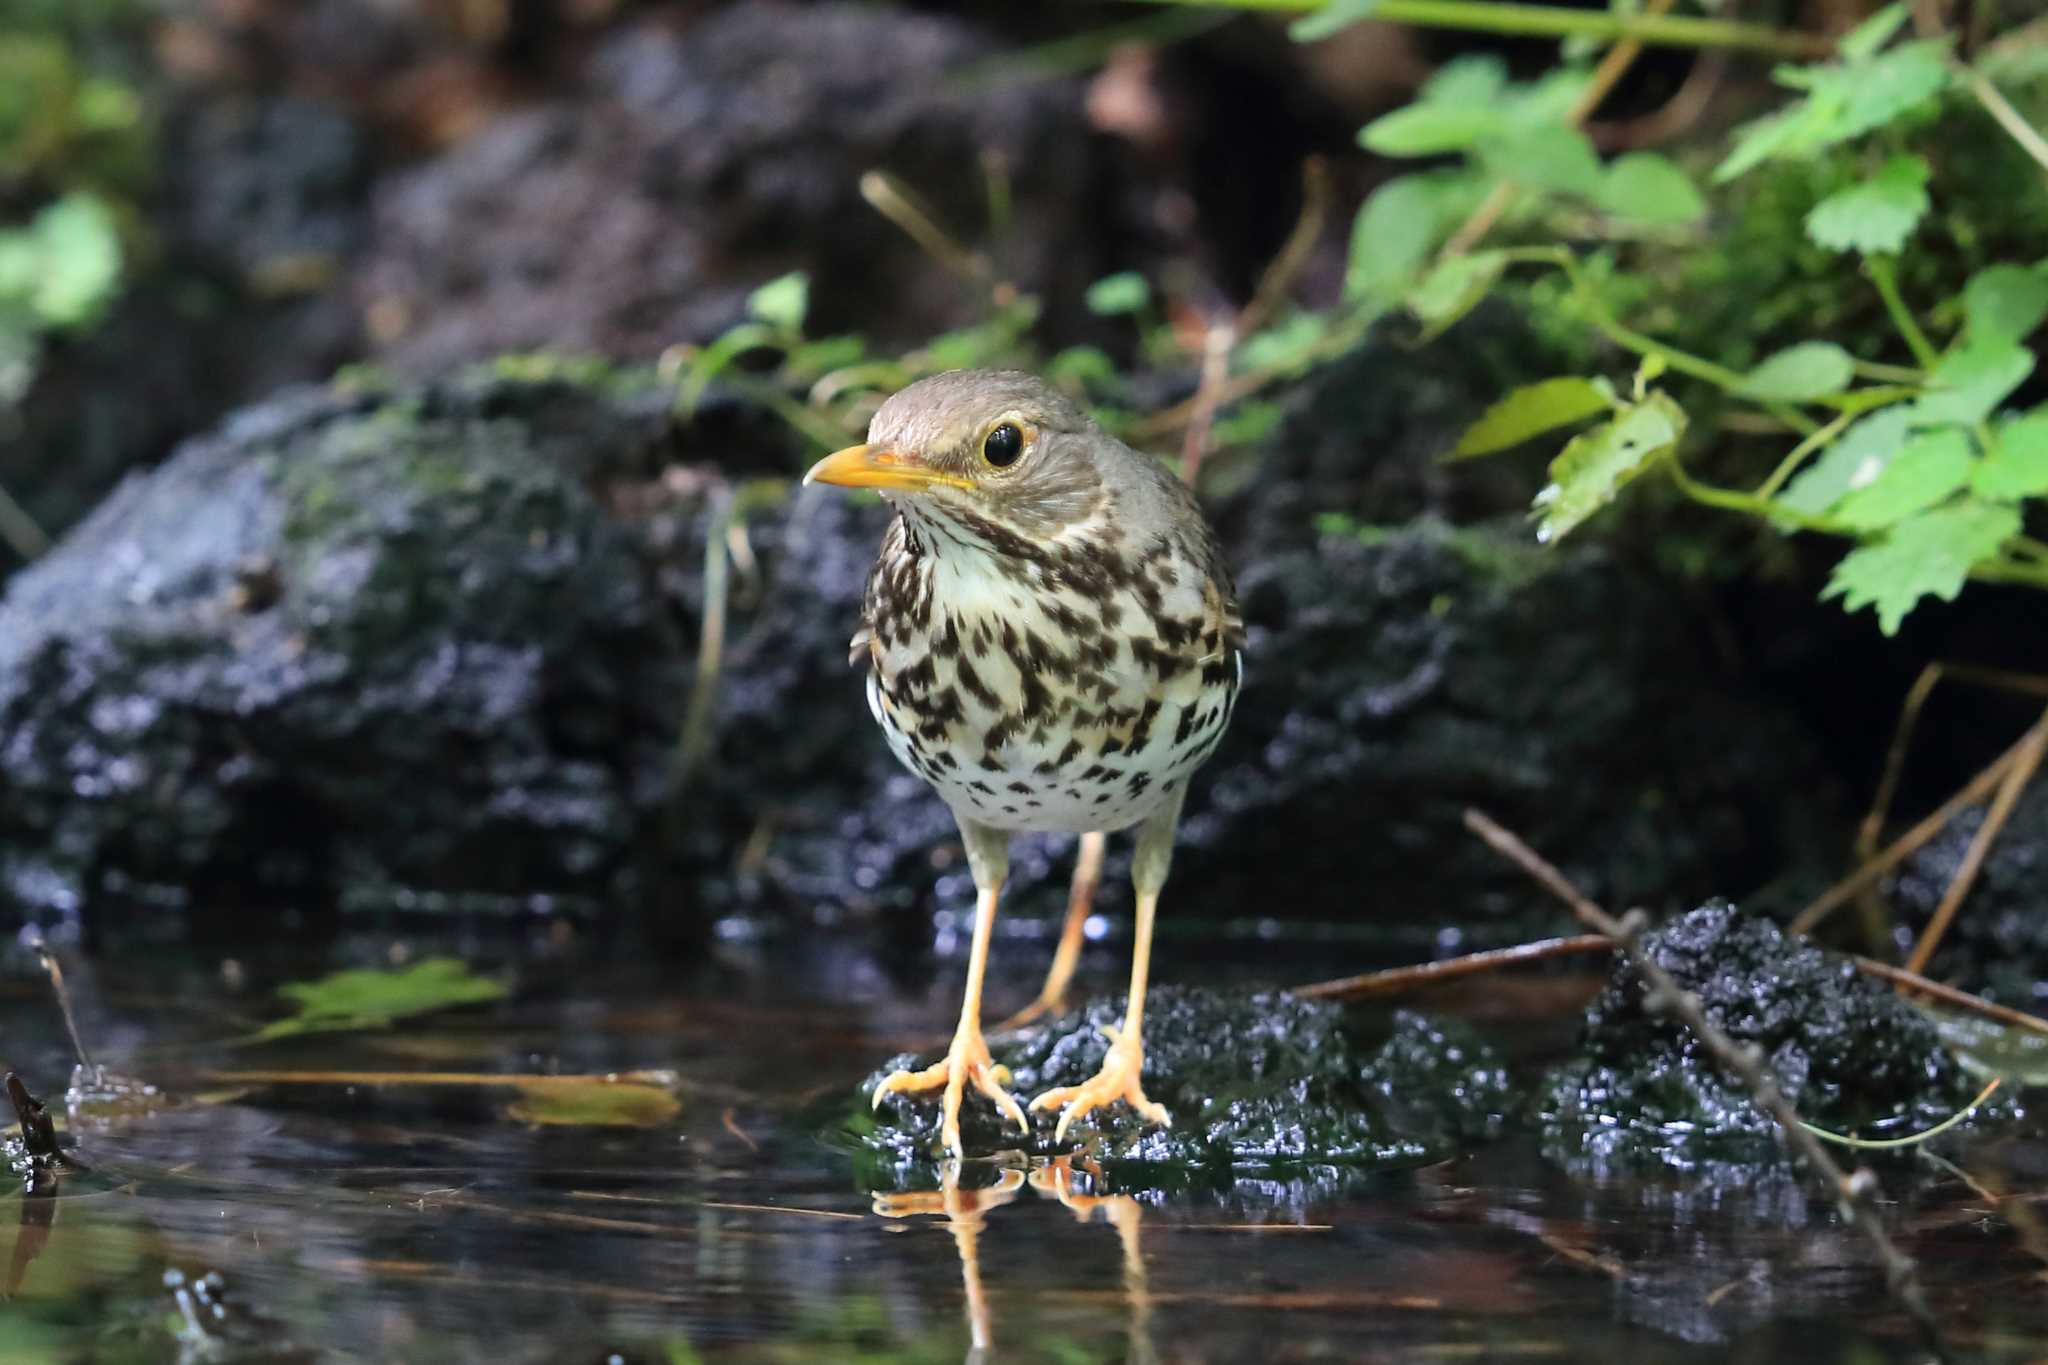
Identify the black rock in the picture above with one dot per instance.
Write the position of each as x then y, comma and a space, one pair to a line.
386, 651
1998, 941
1848, 1052
1254, 1082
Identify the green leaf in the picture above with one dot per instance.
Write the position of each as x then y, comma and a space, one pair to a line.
1861, 43
1473, 80
2017, 464
1811, 369
1392, 237
1929, 468
1970, 383
1597, 464
1451, 290
2006, 301
1796, 128
826, 354
1333, 17
1247, 423
1431, 128
1878, 91
1288, 347
1546, 157
1123, 292
64, 267
1877, 215
369, 998
1530, 411
1854, 461
1650, 189
593, 1102
1925, 556
1987, 1048
782, 302
1081, 365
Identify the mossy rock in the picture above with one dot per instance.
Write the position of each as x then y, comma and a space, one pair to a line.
1255, 1083
1850, 1054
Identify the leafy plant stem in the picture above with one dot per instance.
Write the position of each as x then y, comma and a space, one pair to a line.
1548, 21
1768, 489
1735, 500
1885, 276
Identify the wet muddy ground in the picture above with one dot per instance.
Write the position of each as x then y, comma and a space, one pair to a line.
295, 1200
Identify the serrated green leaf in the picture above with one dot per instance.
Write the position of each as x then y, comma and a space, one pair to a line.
1431, 129
1861, 43
1650, 189
1789, 130
1926, 470
1854, 461
1473, 80
1530, 411
1333, 17
1970, 383
1598, 464
2017, 464
368, 998
782, 302
1811, 369
1453, 287
1929, 555
2006, 301
1878, 91
1393, 235
1877, 215
1114, 295
1546, 156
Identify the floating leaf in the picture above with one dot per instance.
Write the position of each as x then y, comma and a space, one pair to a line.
1971, 382
1928, 469
1597, 464
1431, 128
594, 1102
1811, 369
1530, 411
1877, 215
1929, 555
373, 998
1451, 290
1123, 292
1650, 189
1392, 237
2006, 301
1855, 460
1988, 1048
782, 302
2017, 464
1333, 17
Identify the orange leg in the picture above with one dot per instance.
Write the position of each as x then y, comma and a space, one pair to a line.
1052, 997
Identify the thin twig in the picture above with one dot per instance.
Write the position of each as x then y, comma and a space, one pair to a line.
1215, 371
1903, 847
56, 971
2000, 108
2022, 772
1856, 1194
1294, 253
1400, 980
1913, 982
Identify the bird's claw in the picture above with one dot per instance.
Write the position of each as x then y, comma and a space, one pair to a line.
1119, 1079
967, 1060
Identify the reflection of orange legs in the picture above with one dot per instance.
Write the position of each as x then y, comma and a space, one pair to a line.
1123, 1213
1080, 902
964, 1211
968, 1060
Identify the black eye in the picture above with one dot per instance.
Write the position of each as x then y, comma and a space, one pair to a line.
1002, 446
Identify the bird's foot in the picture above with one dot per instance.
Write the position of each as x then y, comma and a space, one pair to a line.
966, 1061
1118, 1080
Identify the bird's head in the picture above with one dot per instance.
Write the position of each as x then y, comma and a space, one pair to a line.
981, 447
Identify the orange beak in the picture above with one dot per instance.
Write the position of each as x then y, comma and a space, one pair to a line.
866, 466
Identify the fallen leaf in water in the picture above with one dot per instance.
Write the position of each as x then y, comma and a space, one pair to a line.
365, 998
594, 1102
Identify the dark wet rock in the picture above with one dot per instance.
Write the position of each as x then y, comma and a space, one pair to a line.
386, 651
1848, 1052
1263, 1082
1998, 941
697, 162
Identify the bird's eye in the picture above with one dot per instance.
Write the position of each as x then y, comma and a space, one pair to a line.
1003, 445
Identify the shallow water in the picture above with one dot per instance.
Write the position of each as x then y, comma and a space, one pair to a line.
352, 1220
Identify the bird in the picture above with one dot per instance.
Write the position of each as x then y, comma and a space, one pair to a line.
1052, 642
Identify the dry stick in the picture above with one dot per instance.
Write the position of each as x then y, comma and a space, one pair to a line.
1912, 981
1855, 1194
1294, 253
56, 971
1215, 370
1398, 980
2023, 770
2000, 108
1612, 67
1903, 847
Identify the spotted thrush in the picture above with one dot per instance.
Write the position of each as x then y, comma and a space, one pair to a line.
1052, 643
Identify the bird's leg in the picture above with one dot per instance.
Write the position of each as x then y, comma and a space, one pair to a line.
1080, 901
968, 1058
1119, 1078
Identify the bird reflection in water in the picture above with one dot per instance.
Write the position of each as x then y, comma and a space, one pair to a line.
966, 1209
